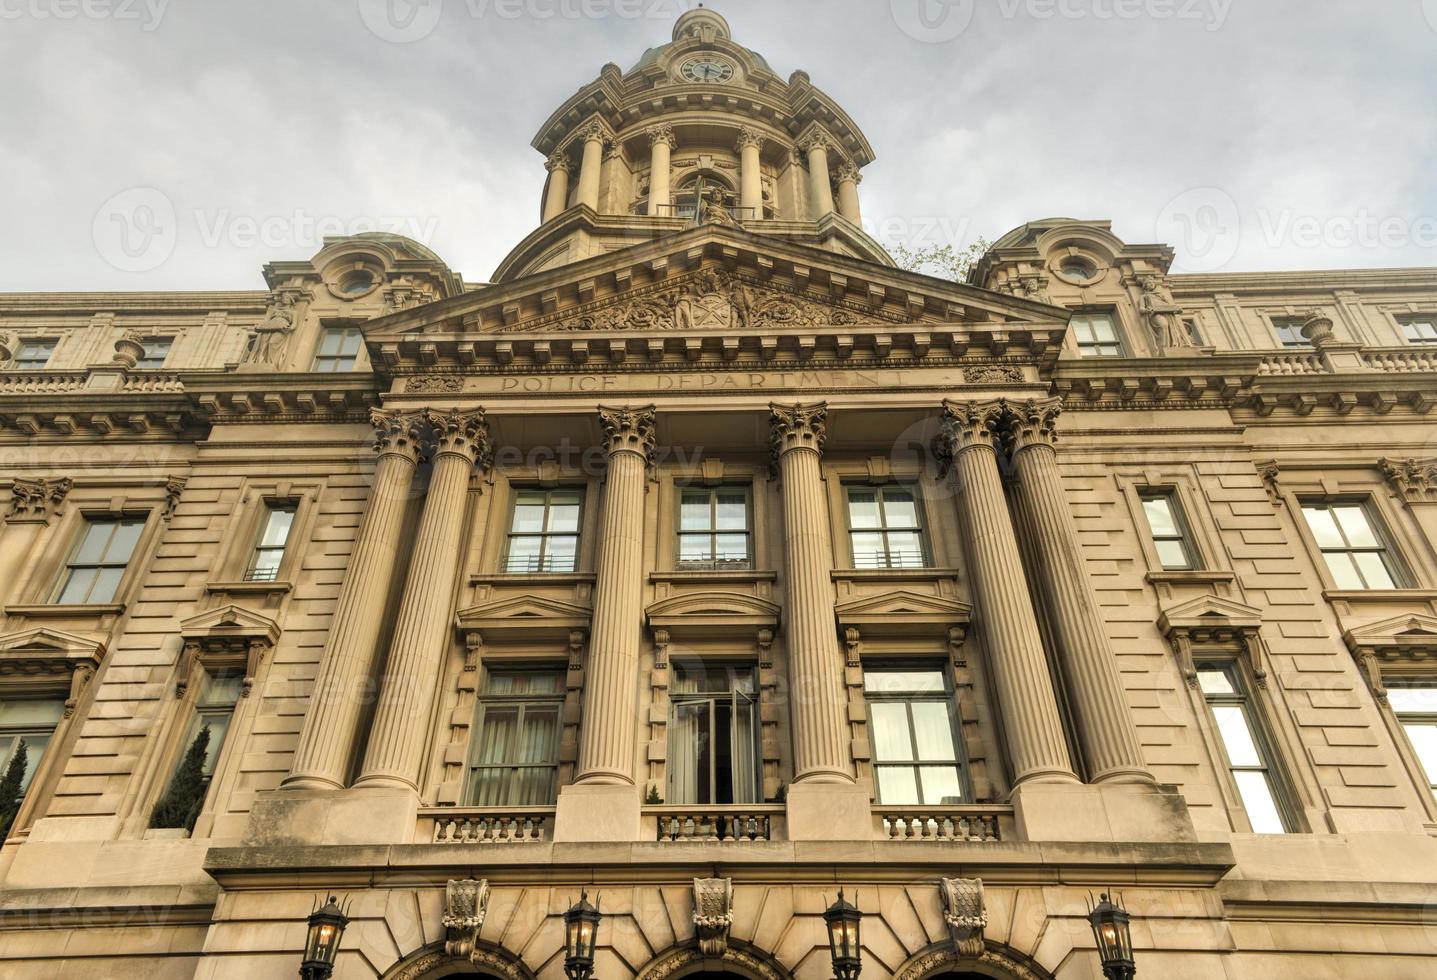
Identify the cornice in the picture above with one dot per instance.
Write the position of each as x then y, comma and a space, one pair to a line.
1193, 284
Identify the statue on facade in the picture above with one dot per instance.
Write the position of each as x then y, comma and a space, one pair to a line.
271, 335
1162, 316
712, 210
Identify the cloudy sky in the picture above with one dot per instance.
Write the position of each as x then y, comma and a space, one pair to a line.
182, 144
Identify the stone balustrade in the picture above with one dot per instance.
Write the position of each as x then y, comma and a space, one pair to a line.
484, 825
740, 824
976, 823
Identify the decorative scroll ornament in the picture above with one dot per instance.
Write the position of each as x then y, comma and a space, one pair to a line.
1410, 479
434, 384
37, 500
466, 903
964, 914
964, 425
797, 427
629, 430
1032, 423
713, 913
396, 433
998, 374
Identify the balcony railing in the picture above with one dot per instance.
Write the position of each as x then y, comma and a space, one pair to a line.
534, 564
489, 825
738, 824
689, 212
973, 824
867, 560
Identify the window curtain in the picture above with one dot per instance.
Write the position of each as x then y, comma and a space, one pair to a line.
745, 748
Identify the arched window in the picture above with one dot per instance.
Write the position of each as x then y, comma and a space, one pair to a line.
702, 183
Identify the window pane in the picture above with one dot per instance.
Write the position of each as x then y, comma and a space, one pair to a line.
1324, 528
694, 512
896, 681
564, 517
92, 545
891, 742
1215, 681
1424, 742
863, 509
732, 512
941, 785
905, 549
122, 545
349, 343
30, 711
868, 550
523, 682
1413, 700
498, 730
1103, 329
1344, 573
523, 555
528, 517
897, 785
276, 528
563, 554
1160, 516
541, 727
933, 729
78, 586
1082, 330
219, 725
899, 509
1374, 570
222, 690
1353, 520
1172, 554
732, 547
695, 547
1258, 801
1236, 735
107, 583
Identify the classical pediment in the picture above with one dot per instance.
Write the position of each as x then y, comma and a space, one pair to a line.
44, 661
530, 617
902, 612
1213, 626
43, 643
230, 622
713, 614
1210, 612
1412, 635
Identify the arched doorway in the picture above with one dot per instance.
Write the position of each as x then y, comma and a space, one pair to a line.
432, 963
739, 961
998, 962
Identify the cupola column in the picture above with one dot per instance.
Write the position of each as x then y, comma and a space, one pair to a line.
593, 136
399, 737
1104, 720
1037, 746
820, 189
557, 199
848, 180
749, 145
326, 741
661, 143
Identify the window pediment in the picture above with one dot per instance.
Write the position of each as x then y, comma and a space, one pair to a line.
523, 617
1213, 624
1400, 637
713, 614
43, 659
903, 613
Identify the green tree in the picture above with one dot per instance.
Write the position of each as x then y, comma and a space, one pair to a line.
181, 804
11, 792
942, 261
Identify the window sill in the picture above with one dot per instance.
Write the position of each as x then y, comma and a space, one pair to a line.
250, 588
518, 578
1190, 577
713, 575
57, 610
1379, 595
892, 574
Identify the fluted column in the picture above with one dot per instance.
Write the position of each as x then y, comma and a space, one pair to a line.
557, 200
606, 745
815, 662
820, 190
750, 173
848, 180
1036, 744
661, 145
326, 740
1104, 720
593, 159
399, 737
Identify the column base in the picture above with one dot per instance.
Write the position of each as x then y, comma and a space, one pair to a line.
829, 811
1113, 811
592, 812
371, 816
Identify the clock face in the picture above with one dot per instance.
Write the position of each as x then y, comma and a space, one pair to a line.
707, 70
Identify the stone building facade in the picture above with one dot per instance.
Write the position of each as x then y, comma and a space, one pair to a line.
709, 562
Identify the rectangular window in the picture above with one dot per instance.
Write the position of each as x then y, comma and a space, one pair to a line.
214, 710
1170, 535
913, 731
515, 755
1096, 334
1289, 332
1352, 544
93, 573
884, 528
1245, 748
714, 528
544, 535
157, 351
1416, 709
34, 353
1419, 329
189, 785
713, 734
26, 725
338, 349
269, 550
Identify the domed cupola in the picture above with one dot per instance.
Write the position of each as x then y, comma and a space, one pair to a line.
699, 131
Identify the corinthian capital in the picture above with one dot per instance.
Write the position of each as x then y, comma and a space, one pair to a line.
37, 500
397, 433
629, 430
463, 434
558, 160
662, 133
849, 171
748, 137
594, 129
965, 425
816, 139
797, 427
1033, 423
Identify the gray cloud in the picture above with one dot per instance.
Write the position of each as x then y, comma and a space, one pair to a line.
266, 123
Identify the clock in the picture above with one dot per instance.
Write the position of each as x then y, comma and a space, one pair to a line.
707, 70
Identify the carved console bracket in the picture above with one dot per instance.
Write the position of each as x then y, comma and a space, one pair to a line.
466, 903
1211, 627
713, 914
964, 914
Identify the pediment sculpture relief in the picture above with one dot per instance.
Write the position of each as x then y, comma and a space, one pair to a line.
708, 300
